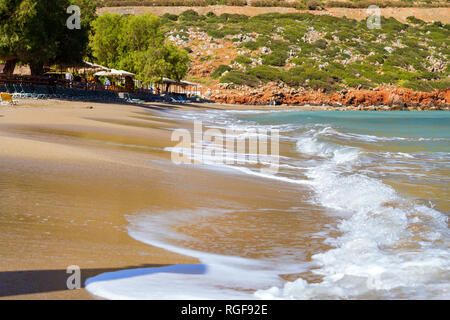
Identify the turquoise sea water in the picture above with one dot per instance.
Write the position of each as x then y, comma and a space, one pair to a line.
415, 130
410, 149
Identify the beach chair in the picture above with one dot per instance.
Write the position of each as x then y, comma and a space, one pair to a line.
42, 92
176, 99
29, 90
170, 98
26, 91
20, 92
52, 92
62, 93
9, 89
183, 99
156, 98
129, 98
7, 98
17, 91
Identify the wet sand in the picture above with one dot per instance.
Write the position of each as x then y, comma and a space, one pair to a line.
71, 171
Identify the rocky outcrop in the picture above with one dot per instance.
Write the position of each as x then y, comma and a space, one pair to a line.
385, 98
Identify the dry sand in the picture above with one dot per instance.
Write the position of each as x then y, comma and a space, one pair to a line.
62, 195
71, 171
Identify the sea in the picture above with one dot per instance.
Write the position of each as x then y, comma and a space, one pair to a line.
366, 216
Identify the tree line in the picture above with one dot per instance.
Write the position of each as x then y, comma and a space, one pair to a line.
35, 32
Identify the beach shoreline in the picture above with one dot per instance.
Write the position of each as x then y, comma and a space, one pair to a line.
78, 169
73, 173
37, 139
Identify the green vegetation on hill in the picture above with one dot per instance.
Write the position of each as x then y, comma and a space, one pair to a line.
321, 51
299, 4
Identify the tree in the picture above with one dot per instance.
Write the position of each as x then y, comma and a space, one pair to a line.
176, 61
35, 32
165, 61
105, 40
139, 34
73, 45
137, 44
118, 41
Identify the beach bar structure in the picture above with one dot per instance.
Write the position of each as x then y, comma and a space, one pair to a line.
128, 76
180, 87
81, 81
84, 67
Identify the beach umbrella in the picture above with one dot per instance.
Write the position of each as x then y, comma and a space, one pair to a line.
114, 73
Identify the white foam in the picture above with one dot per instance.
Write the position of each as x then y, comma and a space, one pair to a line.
272, 176
379, 253
371, 138
213, 162
215, 277
309, 144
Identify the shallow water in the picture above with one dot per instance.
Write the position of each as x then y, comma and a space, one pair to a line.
366, 216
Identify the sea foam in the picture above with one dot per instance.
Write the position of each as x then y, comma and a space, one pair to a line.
388, 247
214, 277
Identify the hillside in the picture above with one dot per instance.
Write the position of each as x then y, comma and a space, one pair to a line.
428, 14
299, 4
312, 52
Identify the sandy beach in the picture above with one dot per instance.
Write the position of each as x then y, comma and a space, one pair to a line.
81, 183
70, 171
224, 152
63, 197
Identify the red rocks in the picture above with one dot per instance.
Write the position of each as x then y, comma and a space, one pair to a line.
397, 98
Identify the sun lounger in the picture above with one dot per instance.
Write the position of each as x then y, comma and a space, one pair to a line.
18, 91
42, 92
129, 98
26, 92
7, 98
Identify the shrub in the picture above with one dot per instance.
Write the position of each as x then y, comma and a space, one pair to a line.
356, 82
244, 60
276, 58
252, 45
177, 3
366, 3
416, 86
240, 78
443, 84
321, 44
233, 17
206, 58
278, 45
414, 20
313, 5
171, 17
220, 70
236, 3
189, 15
214, 33
273, 3
266, 73
300, 5
326, 86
